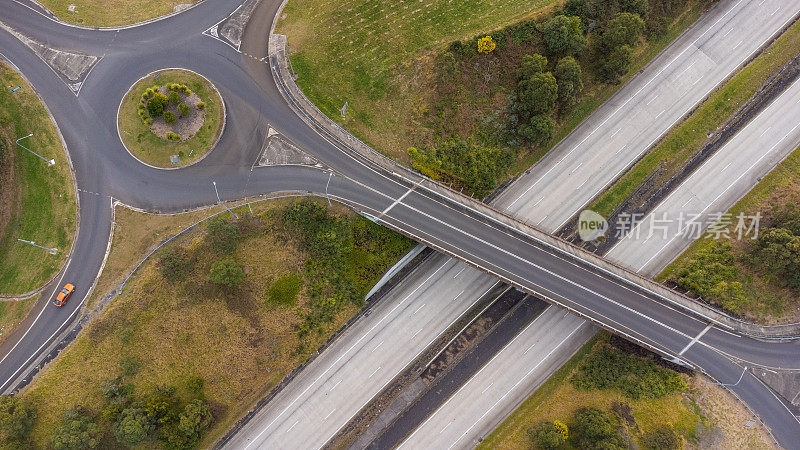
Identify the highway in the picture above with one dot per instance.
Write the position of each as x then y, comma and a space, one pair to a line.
104, 170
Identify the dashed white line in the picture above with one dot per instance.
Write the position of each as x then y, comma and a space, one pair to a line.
621, 149
737, 45
329, 414
415, 312
539, 201
726, 166
696, 338
541, 220
776, 10
687, 68
412, 336
376, 347
398, 200
765, 131
374, 372
659, 114
614, 133
487, 387
334, 386
697, 80
459, 295
581, 185
727, 32
459, 272
448, 424
295, 423
687, 202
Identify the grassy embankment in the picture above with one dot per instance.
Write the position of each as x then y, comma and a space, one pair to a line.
686, 138
389, 68
153, 150
37, 202
305, 270
696, 412
104, 13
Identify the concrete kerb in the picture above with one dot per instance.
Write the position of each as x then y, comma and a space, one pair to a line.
213, 146
314, 117
51, 16
74, 189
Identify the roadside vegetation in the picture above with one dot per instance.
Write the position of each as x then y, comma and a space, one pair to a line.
37, 201
615, 395
172, 113
208, 326
674, 149
462, 106
100, 13
758, 279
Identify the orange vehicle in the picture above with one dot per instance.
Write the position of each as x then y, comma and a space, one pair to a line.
64, 294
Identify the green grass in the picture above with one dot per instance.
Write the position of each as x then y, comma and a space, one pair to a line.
38, 202
167, 333
685, 139
362, 52
105, 13
151, 149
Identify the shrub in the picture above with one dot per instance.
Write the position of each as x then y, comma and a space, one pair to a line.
129, 365
634, 376
568, 78
547, 435
201, 106
539, 130
174, 97
148, 121
536, 94
564, 36
183, 109
76, 432
226, 273
175, 137
155, 106
16, 419
711, 273
284, 290
222, 235
594, 428
172, 263
169, 117
133, 427
663, 438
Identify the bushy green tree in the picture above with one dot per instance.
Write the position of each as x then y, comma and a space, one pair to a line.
195, 419
169, 117
183, 108
777, 251
156, 105
568, 78
536, 95
616, 64
133, 427
226, 273
172, 263
77, 432
546, 436
174, 97
624, 29
711, 273
17, 418
530, 66
539, 130
564, 36
597, 429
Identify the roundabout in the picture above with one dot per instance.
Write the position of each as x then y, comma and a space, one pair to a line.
171, 118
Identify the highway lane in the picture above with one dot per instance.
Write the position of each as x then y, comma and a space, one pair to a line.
373, 192
587, 160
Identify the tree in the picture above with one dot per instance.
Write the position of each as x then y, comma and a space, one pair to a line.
16, 419
183, 108
133, 427
663, 438
226, 273
194, 420
638, 7
539, 130
485, 44
536, 95
530, 66
624, 29
595, 428
172, 263
568, 78
222, 235
547, 436
777, 250
616, 64
169, 117
174, 97
76, 432
155, 106
563, 36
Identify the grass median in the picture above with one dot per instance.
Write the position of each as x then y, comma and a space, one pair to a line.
179, 333
37, 201
680, 143
103, 13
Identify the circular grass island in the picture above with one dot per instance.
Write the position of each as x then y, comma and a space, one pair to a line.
171, 118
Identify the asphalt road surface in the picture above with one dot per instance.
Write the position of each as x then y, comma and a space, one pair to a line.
104, 170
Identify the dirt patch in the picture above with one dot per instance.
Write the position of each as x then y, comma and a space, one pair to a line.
185, 126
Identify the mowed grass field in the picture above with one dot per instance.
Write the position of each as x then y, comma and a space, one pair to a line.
108, 13
362, 52
37, 202
153, 150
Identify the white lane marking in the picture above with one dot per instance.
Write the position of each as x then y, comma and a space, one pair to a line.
459, 272
615, 133
374, 372
697, 80
687, 202
726, 166
696, 338
542, 219
459, 295
539, 201
688, 67
737, 45
764, 155
765, 132
398, 200
776, 10
651, 100
329, 414
543, 177
504, 395
364, 336
621, 149
659, 114
420, 307
487, 388
728, 32
376, 347
448, 424
412, 336
295, 423
576, 168
334, 386
581, 185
